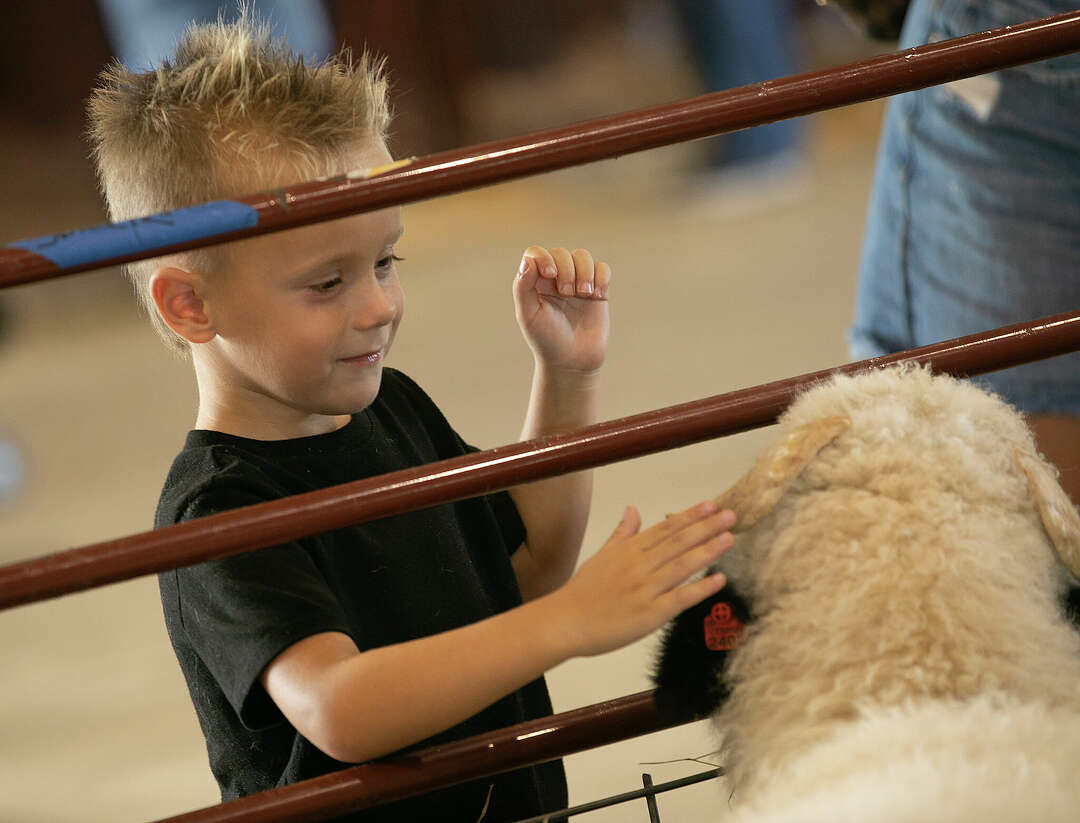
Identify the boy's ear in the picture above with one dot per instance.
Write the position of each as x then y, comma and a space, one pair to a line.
178, 296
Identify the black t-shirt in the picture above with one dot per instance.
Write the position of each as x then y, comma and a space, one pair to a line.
382, 582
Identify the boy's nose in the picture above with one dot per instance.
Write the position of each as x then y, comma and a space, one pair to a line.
375, 307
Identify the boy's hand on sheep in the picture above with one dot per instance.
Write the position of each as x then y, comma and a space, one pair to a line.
638, 581
560, 298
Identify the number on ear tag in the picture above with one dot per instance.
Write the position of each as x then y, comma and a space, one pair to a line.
722, 628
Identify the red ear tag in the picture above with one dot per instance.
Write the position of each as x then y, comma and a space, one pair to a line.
722, 628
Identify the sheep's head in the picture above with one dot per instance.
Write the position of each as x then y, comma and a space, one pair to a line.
930, 449
933, 446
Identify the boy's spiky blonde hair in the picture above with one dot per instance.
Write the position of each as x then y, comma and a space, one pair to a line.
234, 112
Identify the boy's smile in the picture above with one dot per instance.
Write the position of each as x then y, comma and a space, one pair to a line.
302, 322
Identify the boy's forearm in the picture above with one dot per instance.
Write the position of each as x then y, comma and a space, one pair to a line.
388, 698
357, 706
556, 510
559, 402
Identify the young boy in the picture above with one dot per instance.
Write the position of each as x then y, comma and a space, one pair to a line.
410, 630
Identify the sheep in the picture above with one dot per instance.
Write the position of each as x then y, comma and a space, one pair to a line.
901, 557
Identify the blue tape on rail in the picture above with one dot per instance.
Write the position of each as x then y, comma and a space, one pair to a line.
142, 234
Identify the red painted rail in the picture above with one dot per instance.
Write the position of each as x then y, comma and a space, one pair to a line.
543, 151
448, 480
394, 778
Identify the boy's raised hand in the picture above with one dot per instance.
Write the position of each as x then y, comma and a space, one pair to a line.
561, 302
639, 580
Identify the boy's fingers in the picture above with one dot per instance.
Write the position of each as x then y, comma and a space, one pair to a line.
684, 597
573, 273
527, 275
584, 283
564, 263
695, 534
689, 563
673, 523
630, 523
542, 260
601, 280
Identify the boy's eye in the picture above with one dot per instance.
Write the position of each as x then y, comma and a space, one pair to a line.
326, 285
387, 262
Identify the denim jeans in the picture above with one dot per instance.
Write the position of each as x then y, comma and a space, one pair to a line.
974, 219
736, 43
145, 32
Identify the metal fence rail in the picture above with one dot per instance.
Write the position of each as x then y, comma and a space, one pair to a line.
473, 166
394, 778
448, 480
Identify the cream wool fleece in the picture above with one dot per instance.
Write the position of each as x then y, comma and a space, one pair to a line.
991, 759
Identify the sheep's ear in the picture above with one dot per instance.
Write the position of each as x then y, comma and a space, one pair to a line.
762, 487
1057, 511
